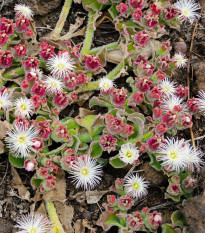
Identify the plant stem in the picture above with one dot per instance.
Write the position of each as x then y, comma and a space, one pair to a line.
110, 46
61, 21
14, 73
93, 86
57, 227
89, 33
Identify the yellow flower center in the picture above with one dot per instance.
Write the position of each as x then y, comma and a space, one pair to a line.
33, 230
166, 89
23, 107
129, 154
105, 85
173, 155
136, 185
84, 171
185, 12
61, 66
53, 84
1, 103
22, 139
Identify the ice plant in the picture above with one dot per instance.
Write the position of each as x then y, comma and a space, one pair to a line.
172, 154
20, 140
105, 85
23, 10
23, 107
53, 85
187, 10
180, 60
128, 153
33, 223
5, 100
173, 103
201, 101
167, 87
136, 186
86, 173
60, 65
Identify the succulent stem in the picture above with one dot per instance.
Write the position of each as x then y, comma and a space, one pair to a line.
61, 21
89, 32
57, 227
110, 46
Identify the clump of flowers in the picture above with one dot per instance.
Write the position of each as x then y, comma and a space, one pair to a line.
136, 117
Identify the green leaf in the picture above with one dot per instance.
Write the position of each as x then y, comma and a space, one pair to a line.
87, 121
16, 162
154, 162
116, 162
102, 161
95, 101
113, 11
93, 4
167, 229
36, 182
95, 149
178, 218
113, 220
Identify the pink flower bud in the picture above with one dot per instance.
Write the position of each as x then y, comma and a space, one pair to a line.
158, 218
157, 113
92, 62
166, 47
31, 62
164, 62
138, 97
6, 58
125, 202
154, 143
29, 33
48, 184
170, 12
20, 50
115, 126
170, 119
143, 84
161, 128
108, 143
36, 101
136, 3
44, 129
127, 130
30, 164
111, 199
7, 26
37, 144
47, 51
119, 182
3, 37
42, 173
24, 85
38, 89
118, 97
122, 7
151, 20
181, 91
71, 81
22, 23
141, 37
155, 93
193, 105
186, 120
137, 14
160, 75
61, 99
156, 8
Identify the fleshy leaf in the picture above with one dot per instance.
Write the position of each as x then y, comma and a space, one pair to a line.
16, 161
116, 162
178, 219
167, 229
154, 162
36, 182
113, 11
95, 149
93, 4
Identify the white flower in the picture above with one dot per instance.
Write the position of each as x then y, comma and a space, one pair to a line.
5, 100
60, 65
167, 87
19, 140
128, 153
105, 84
187, 10
169, 102
35, 72
23, 107
201, 100
136, 186
86, 173
180, 60
193, 157
53, 85
23, 10
173, 154
33, 223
